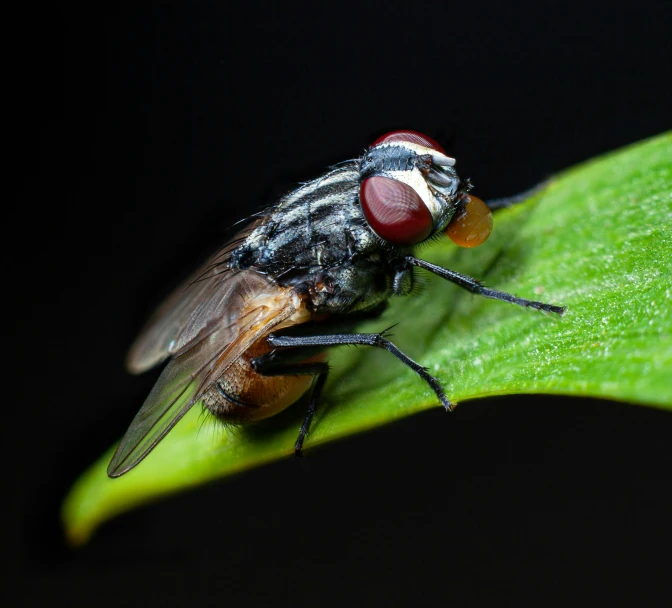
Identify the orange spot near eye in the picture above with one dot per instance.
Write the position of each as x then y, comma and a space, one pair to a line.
472, 224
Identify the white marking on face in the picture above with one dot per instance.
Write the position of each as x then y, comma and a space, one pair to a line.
416, 180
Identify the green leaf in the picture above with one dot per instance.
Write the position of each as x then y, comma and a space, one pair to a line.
598, 240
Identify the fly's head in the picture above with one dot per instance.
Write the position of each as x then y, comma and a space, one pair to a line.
410, 191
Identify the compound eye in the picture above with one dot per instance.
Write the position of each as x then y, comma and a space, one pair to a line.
395, 211
412, 137
472, 224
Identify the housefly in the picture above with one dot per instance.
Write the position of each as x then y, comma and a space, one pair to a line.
247, 334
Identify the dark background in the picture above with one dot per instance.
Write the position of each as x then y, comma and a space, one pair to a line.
138, 136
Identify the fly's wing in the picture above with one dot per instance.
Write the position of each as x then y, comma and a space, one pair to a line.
253, 307
189, 312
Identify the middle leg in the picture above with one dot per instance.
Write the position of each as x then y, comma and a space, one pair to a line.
376, 340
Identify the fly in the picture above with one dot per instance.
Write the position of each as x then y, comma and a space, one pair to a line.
247, 335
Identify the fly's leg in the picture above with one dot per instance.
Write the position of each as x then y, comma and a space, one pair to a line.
476, 287
338, 324
281, 362
276, 363
377, 340
291, 362
312, 406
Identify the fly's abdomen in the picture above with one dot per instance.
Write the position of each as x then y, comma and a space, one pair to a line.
243, 395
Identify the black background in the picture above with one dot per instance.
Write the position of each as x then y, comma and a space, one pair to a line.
138, 136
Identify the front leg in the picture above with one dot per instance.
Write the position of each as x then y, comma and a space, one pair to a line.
476, 287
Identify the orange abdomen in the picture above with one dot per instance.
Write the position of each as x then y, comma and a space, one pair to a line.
243, 395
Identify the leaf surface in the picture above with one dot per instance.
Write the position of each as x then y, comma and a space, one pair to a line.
598, 240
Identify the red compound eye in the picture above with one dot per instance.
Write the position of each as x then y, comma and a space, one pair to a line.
410, 136
395, 211
472, 224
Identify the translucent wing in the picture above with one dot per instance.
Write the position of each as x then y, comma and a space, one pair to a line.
253, 306
188, 313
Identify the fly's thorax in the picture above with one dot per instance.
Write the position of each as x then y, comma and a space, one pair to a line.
320, 224
358, 284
